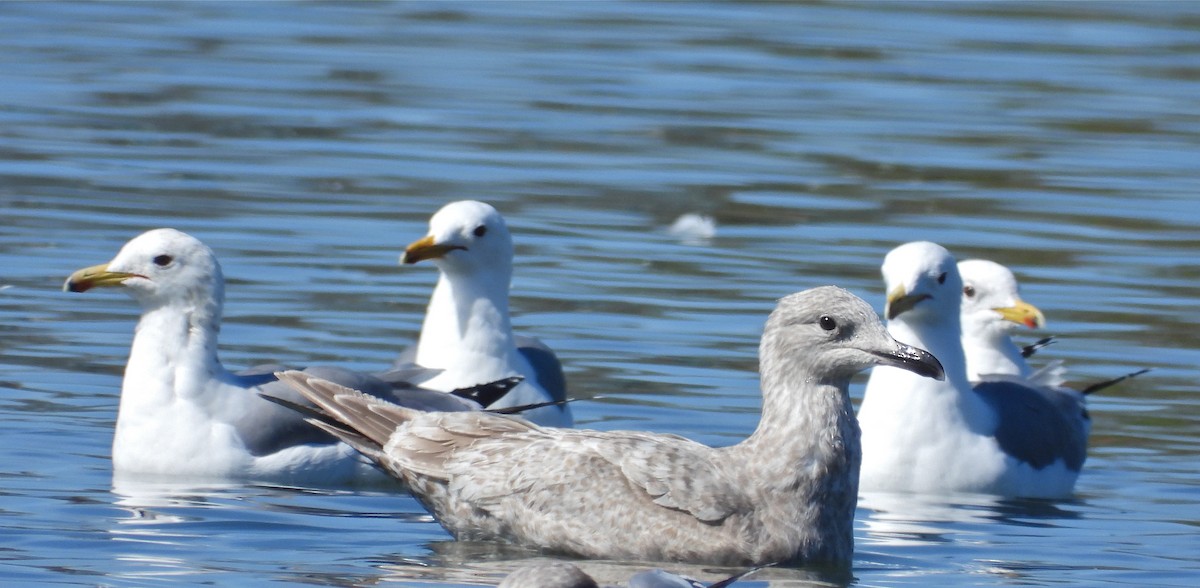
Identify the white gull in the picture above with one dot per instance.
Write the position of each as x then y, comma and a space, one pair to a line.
1000, 437
183, 414
991, 309
467, 332
785, 494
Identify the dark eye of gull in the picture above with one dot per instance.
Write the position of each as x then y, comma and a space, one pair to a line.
942, 278
480, 231
162, 260
828, 323
969, 291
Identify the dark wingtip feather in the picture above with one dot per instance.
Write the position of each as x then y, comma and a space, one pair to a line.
1029, 350
1098, 386
524, 407
487, 394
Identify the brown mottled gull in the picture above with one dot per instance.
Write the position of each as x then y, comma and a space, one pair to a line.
785, 494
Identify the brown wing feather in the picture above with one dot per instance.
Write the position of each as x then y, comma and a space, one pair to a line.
465, 447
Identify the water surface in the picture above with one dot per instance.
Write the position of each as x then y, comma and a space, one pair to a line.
308, 143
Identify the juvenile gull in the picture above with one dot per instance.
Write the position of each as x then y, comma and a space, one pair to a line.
1001, 437
991, 309
182, 413
785, 494
467, 333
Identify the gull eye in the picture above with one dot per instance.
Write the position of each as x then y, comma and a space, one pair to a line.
827, 323
942, 278
480, 231
163, 260
969, 291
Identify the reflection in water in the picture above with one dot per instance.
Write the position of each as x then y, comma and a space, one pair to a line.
467, 567
903, 531
214, 524
900, 518
896, 518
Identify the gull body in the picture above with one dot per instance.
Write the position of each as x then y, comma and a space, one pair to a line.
467, 333
1002, 437
785, 494
182, 413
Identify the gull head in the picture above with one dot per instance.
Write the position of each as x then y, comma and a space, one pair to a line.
158, 268
991, 298
922, 282
464, 237
836, 335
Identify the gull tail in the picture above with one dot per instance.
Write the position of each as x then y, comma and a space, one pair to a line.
1098, 386
363, 421
327, 423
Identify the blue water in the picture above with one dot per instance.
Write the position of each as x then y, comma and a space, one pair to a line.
308, 143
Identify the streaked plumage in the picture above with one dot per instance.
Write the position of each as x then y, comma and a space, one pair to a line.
787, 493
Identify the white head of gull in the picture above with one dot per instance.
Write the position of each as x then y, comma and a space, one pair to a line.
181, 412
467, 332
919, 435
991, 309
785, 494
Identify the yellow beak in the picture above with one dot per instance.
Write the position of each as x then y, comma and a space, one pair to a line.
1023, 313
899, 302
426, 249
94, 277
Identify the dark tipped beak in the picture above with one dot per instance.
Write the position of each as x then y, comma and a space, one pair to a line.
426, 249
917, 361
95, 276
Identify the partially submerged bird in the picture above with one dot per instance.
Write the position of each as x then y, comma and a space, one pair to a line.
1000, 437
785, 494
555, 574
467, 333
561, 574
183, 414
